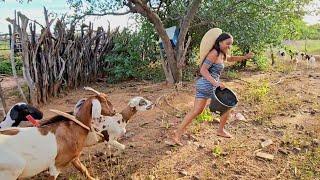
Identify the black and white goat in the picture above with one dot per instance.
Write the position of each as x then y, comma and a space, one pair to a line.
311, 61
281, 53
18, 113
114, 127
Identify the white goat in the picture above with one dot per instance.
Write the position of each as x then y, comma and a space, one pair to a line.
113, 127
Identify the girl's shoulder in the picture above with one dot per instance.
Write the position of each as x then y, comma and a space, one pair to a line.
213, 55
213, 52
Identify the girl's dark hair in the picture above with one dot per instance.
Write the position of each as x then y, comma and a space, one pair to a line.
220, 38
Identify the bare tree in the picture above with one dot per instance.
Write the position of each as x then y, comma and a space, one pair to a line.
64, 59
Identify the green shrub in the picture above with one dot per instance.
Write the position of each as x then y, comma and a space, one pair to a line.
135, 56
5, 67
262, 62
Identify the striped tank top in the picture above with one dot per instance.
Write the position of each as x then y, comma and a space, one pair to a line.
204, 88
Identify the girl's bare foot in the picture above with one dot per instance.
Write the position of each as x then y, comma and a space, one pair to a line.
224, 133
174, 140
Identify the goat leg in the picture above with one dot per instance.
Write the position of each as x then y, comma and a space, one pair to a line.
77, 164
53, 171
118, 145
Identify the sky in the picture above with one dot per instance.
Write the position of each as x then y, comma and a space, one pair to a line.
34, 10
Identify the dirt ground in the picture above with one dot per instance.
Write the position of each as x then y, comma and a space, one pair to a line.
288, 115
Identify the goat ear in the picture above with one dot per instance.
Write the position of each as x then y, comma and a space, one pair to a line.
14, 112
78, 106
96, 108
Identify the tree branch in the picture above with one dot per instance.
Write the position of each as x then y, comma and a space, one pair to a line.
77, 18
184, 27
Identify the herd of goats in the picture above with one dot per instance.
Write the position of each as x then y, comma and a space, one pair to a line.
53, 143
298, 57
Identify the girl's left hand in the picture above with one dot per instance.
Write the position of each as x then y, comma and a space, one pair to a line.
249, 55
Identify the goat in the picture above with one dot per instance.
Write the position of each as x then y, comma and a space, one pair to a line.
19, 113
311, 61
281, 53
113, 127
26, 152
317, 58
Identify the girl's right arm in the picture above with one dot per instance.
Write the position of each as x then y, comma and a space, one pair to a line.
205, 73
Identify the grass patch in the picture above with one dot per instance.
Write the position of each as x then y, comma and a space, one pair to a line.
256, 91
308, 165
285, 68
265, 101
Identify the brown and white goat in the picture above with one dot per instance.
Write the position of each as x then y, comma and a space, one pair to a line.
113, 127
26, 152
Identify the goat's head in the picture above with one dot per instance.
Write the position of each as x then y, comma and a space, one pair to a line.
100, 104
18, 113
117, 123
307, 56
106, 106
140, 103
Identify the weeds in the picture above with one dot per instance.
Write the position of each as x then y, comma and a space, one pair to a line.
308, 167
285, 68
206, 115
217, 151
257, 91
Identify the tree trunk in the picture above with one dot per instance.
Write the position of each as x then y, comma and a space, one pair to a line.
272, 56
181, 49
174, 58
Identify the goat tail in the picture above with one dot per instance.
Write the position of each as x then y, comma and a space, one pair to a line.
91, 89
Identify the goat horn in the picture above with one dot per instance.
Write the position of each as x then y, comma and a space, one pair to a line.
91, 89
69, 116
